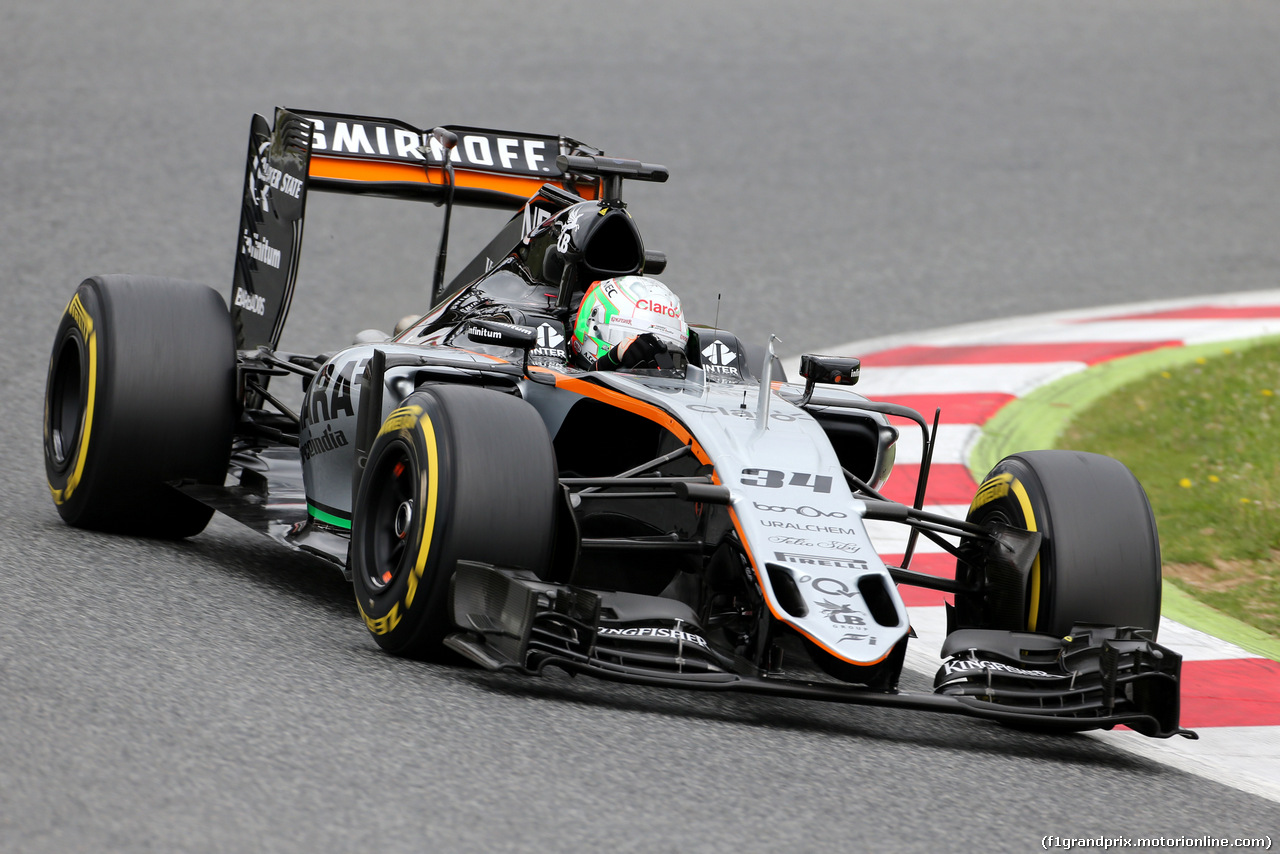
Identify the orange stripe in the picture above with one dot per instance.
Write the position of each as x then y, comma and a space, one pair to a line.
488, 356
644, 410
381, 172
364, 170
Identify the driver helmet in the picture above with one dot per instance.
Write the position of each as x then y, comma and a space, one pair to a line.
615, 310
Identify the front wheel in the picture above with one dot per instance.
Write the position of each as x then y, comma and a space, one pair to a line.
1099, 559
456, 473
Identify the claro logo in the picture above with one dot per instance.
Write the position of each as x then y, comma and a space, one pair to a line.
658, 308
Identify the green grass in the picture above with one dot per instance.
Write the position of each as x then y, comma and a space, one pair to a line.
1203, 437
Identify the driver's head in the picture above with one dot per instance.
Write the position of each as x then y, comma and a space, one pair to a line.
616, 312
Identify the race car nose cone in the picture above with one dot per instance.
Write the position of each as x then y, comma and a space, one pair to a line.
404, 516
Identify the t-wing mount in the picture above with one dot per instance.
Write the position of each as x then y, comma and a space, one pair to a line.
612, 170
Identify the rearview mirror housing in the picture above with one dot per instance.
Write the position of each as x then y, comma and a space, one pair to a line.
831, 370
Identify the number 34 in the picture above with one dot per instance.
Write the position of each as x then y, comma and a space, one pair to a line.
774, 479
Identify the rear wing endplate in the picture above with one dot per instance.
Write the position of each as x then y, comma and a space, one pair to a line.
271, 210
303, 151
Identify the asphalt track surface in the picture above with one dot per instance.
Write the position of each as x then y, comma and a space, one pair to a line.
838, 171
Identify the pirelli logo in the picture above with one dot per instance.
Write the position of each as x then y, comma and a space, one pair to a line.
83, 321
819, 560
401, 419
996, 487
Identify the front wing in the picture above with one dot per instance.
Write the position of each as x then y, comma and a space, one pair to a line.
1098, 678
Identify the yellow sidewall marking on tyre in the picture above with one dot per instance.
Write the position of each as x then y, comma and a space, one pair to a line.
382, 625
1029, 522
85, 324
400, 419
991, 489
428, 517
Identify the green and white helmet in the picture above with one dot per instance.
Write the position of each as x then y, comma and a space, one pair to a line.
614, 310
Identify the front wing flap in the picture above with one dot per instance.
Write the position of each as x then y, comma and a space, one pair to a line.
1096, 671
511, 620
1097, 679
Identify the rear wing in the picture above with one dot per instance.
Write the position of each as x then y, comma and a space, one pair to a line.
492, 168
304, 151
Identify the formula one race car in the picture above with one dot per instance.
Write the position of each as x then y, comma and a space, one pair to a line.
488, 492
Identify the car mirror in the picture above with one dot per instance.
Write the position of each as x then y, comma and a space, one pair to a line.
832, 370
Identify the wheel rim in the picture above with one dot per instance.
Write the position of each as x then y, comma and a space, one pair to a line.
391, 519
66, 403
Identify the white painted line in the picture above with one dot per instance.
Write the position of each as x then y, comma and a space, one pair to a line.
1245, 758
930, 624
988, 331
951, 447
963, 379
1190, 331
891, 537
1243, 329
1195, 645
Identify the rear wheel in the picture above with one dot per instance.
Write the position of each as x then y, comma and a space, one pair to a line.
1099, 559
141, 391
456, 473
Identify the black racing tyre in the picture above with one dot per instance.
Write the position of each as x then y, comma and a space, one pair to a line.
1099, 560
141, 391
456, 473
